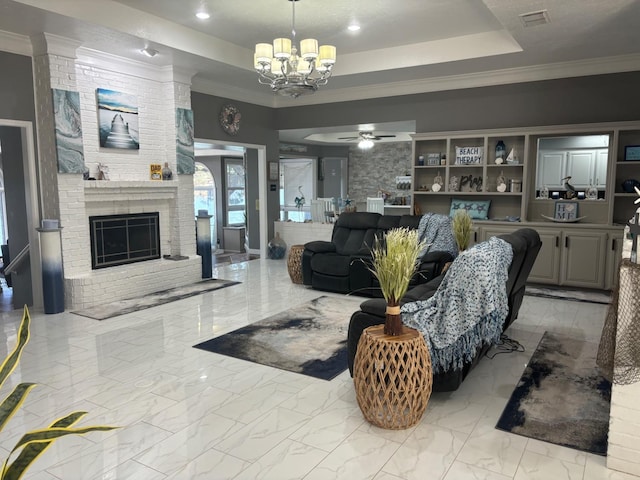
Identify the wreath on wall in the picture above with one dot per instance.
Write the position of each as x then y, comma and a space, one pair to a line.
230, 119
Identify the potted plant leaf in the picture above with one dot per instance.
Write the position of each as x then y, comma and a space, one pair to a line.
35, 442
462, 226
394, 261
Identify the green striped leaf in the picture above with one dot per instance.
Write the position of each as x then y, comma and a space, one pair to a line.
13, 402
33, 450
12, 360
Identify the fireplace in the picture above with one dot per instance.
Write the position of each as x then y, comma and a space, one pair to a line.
122, 239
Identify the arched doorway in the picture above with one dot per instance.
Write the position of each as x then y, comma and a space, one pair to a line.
205, 195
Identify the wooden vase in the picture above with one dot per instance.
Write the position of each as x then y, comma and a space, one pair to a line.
393, 322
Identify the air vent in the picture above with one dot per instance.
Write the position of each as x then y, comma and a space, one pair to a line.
535, 18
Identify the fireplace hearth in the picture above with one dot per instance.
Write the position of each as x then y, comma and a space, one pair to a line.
123, 239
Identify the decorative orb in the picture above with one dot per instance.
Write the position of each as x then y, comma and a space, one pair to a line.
436, 187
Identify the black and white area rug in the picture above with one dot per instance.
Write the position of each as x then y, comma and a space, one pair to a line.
121, 307
310, 339
573, 294
561, 397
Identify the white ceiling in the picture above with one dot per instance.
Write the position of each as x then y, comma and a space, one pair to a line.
403, 47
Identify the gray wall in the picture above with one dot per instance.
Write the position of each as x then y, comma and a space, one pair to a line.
257, 127
16, 88
600, 98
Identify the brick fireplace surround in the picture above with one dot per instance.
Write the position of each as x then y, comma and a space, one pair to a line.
64, 64
85, 287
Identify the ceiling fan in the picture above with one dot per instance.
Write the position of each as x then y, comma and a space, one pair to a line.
366, 136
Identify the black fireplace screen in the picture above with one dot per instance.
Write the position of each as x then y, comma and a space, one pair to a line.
121, 239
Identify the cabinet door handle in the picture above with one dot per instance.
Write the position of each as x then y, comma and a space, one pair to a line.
613, 244
475, 236
557, 241
566, 242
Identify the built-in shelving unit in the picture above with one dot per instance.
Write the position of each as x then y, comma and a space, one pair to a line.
474, 174
565, 245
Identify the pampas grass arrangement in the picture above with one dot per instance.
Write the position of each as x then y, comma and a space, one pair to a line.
394, 263
461, 226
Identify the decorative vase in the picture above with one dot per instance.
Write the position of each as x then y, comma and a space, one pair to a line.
393, 321
166, 172
276, 248
454, 184
501, 150
628, 185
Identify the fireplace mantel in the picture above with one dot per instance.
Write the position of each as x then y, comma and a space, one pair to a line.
101, 190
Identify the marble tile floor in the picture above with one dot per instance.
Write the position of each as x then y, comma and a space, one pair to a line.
188, 414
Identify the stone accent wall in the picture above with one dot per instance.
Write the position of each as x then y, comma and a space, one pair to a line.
377, 168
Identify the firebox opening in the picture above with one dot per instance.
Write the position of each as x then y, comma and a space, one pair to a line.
122, 239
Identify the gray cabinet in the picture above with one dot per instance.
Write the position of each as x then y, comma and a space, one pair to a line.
583, 259
614, 254
546, 269
570, 257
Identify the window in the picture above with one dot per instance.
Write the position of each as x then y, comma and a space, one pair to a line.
205, 195
235, 194
296, 182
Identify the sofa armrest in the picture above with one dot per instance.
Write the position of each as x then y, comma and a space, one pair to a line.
320, 246
375, 306
431, 265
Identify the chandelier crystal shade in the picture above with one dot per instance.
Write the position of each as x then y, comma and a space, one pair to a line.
290, 71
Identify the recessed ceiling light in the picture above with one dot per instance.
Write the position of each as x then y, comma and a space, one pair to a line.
202, 15
354, 27
149, 52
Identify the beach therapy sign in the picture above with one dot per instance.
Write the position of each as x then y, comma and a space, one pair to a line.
469, 155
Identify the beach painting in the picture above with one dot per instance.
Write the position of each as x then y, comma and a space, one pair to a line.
118, 120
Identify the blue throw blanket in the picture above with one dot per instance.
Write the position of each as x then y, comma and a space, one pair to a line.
435, 230
468, 309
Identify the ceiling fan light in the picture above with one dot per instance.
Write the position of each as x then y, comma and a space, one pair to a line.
327, 54
309, 48
365, 143
264, 52
282, 48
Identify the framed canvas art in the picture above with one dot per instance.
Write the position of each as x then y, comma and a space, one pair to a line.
118, 120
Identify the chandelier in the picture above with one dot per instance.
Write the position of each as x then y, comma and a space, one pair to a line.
291, 72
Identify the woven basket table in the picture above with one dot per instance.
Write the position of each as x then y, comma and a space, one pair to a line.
392, 377
294, 263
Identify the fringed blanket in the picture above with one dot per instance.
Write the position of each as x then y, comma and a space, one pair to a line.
435, 230
469, 307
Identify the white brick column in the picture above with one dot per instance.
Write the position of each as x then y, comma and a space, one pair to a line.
53, 67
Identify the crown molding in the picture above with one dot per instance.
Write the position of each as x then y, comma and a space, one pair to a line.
48, 43
136, 68
15, 43
552, 71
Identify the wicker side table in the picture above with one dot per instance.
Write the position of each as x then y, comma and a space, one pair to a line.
392, 377
294, 263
